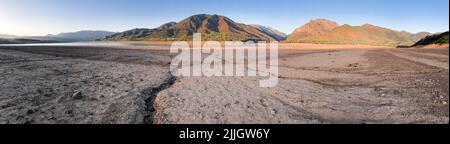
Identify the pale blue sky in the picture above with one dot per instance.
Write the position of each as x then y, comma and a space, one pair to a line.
40, 17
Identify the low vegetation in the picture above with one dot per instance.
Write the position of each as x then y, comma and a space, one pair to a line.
440, 38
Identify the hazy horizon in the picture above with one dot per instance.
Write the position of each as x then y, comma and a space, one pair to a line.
25, 18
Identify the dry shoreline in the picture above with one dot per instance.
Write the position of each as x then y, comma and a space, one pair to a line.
281, 44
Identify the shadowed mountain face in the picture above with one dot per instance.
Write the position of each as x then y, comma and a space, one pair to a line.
134, 34
329, 32
440, 38
280, 36
212, 27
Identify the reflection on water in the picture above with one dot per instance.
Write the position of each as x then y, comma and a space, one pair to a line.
105, 44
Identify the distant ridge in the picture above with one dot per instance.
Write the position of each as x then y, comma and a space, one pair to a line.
85, 35
6, 36
22, 41
324, 31
212, 27
417, 36
280, 36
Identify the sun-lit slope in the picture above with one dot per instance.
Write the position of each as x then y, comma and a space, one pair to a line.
328, 32
212, 27
313, 28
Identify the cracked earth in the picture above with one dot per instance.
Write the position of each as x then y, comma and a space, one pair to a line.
41, 84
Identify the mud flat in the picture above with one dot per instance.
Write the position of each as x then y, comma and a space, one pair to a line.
320, 86
77, 84
43, 84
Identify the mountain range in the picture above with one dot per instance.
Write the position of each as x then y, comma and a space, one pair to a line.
212, 27
22, 41
64, 37
221, 28
82, 35
328, 32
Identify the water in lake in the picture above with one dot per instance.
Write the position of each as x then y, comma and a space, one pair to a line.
105, 44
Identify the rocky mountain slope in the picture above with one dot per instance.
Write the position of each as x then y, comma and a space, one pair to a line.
212, 27
329, 32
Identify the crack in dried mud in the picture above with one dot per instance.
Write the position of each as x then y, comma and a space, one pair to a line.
152, 94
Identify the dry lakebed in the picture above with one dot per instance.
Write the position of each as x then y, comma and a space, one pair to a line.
83, 84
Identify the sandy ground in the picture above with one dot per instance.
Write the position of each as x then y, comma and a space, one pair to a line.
102, 85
